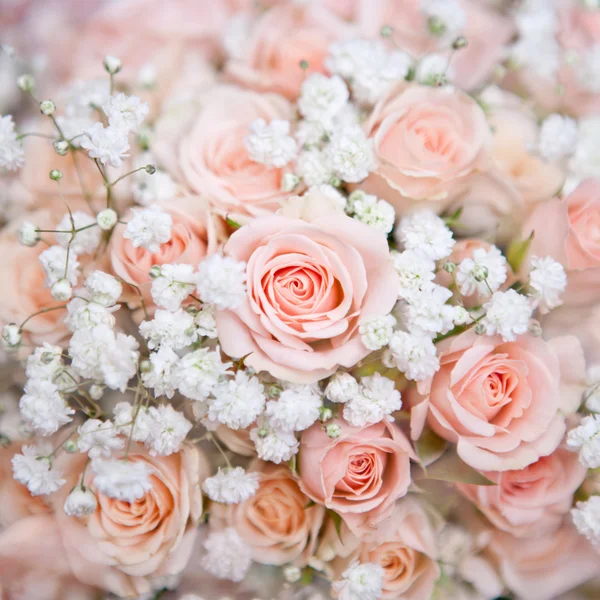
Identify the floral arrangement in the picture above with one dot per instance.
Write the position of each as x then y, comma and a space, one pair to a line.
300, 300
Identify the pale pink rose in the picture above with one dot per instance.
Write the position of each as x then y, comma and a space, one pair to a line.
502, 403
23, 290
486, 30
359, 475
276, 522
543, 567
567, 229
279, 39
533, 500
309, 283
427, 141
33, 563
122, 546
194, 235
205, 150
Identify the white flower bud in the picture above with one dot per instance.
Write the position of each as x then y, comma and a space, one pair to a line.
11, 334
449, 267
325, 414
145, 366
96, 391
112, 64
80, 502
155, 272
61, 147
150, 169
61, 290
70, 446
29, 234
480, 329
47, 107
107, 219
292, 574
333, 430
289, 181
26, 82
56, 174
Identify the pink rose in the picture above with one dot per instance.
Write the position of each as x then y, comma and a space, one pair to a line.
194, 235
533, 500
486, 30
123, 545
276, 522
309, 283
359, 475
543, 567
566, 229
427, 140
503, 403
206, 151
280, 38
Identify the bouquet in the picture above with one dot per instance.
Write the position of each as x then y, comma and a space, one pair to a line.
300, 300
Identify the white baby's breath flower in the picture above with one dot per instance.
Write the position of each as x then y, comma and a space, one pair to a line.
426, 234
83, 242
107, 144
46, 363
174, 284
167, 429
12, 155
586, 517
360, 582
558, 137
173, 329
428, 313
42, 407
29, 234
198, 372
84, 314
587, 69
547, 280
274, 445
270, 144
414, 272
221, 281
80, 503
205, 322
231, 486
350, 154
124, 112
341, 388
34, 469
483, 274
376, 400
321, 97
507, 314
586, 440
103, 288
127, 417
161, 376
98, 438
372, 211
54, 261
376, 332
296, 409
434, 69
227, 555
414, 355
123, 480
446, 18
149, 228
314, 167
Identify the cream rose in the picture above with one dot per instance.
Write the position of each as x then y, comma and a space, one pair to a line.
309, 283
503, 403
276, 522
427, 141
359, 475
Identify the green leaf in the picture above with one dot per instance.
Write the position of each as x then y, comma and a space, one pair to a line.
430, 447
517, 251
233, 224
452, 469
310, 504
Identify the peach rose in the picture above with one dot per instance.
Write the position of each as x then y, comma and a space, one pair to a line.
194, 235
543, 567
486, 29
359, 475
280, 38
309, 282
533, 500
23, 289
205, 150
276, 522
567, 230
123, 545
502, 403
427, 140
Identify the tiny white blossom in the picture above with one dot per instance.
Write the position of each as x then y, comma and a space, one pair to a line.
54, 260
128, 416
558, 137
507, 314
198, 372
12, 155
296, 409
376, 332
124, 112
314, 167
322, 97
434, 68
227, 555
151, 189
167, 430
29, 234
447, 19
414, 355
231, 486
174, 329
83, 242
372, 211
61, 290
270, 144
376, 400
221, 281
34, 469
586, 439
428, 313
360, 582
44, 363
149, 228
107, 144
98, 438
174, 284
587, 69
586, 517
206, 323
414, 272
350, 154
123, 480
341, 388
547, 280
11, 335
81, 502
483, 274
103, 288
161, 376
107, 219
42, 407
83, 314
237, 403
274, 445
426, 234
541, 55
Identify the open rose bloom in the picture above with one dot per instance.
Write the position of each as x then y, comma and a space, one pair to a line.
300, 300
